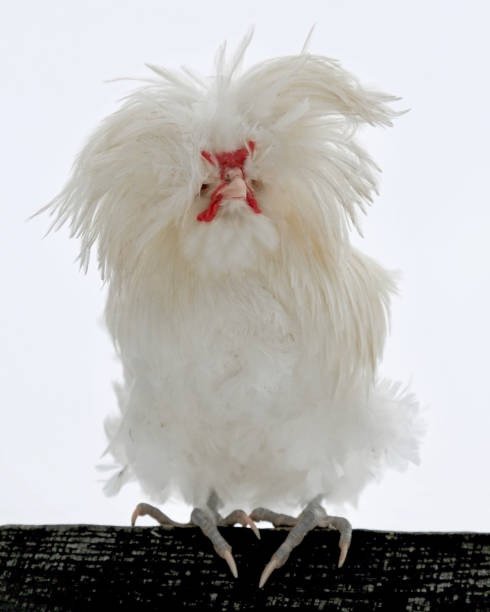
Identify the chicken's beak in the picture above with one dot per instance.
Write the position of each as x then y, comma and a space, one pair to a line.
236, 189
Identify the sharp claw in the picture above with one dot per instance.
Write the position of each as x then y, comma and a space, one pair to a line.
253, 527
239, 516
135, 515
345, 529
228, 557
344, 547
268, 569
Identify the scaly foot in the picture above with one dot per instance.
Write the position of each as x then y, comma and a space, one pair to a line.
312, 516
208, 519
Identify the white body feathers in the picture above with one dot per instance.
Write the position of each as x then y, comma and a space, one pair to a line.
250, 344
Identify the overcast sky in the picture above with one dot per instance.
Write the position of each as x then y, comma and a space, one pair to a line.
431, 221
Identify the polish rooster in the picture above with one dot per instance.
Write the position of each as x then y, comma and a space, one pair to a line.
249, 328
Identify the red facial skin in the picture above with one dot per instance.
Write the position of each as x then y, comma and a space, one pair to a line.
233, 185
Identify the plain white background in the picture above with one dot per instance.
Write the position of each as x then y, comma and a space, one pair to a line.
431, 221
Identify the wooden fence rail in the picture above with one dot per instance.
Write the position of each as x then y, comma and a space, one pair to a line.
92, 567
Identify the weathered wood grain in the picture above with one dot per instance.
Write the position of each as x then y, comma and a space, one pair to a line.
91, 567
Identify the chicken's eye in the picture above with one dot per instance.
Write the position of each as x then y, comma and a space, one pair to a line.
256, 184
204, 186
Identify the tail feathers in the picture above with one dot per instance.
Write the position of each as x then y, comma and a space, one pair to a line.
401, 426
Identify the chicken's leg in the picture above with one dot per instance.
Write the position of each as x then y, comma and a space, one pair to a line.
208, 519
312, 516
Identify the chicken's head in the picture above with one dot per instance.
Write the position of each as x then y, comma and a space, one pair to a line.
220, 175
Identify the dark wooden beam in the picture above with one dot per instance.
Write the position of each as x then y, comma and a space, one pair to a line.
90, 567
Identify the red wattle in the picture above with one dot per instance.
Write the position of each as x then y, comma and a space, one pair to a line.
210, 213
252, 202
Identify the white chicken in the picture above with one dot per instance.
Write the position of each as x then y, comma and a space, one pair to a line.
248, 326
